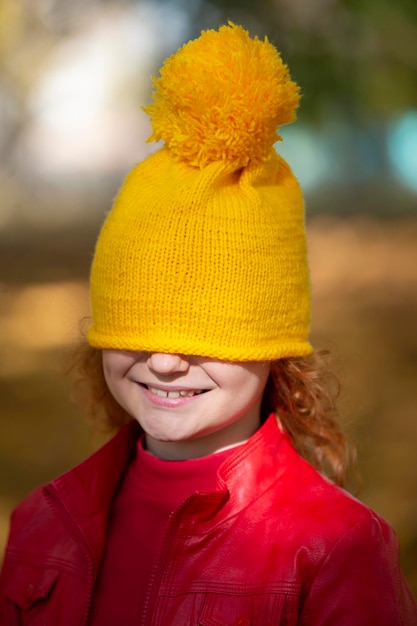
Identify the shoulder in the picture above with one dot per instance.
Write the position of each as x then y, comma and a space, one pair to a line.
328, 532
284, 488
321, 513
80, 494
304, 486
34, 528
30, 504
31, 509
351, 554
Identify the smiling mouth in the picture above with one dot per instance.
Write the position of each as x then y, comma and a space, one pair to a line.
174, 394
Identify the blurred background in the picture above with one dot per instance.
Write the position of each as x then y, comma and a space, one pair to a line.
73, 78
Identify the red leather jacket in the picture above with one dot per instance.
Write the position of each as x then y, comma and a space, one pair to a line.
275, 544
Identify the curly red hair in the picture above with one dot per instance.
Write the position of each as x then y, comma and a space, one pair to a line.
301, 391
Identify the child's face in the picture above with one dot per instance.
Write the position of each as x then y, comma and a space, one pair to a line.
188, 406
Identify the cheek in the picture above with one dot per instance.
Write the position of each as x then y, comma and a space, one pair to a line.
106, 370
116, 364
251, 382
110, 374
259, 382
117, 385
114, 375
109, 377
256, 377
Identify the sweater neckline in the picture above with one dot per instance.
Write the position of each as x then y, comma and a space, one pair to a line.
175, 480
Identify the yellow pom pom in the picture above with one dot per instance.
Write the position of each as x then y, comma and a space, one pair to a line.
221, 97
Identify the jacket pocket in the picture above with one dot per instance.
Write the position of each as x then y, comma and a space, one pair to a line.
252, 608
26, 590
224, 604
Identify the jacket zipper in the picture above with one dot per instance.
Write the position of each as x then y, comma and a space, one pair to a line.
66, 520
159, 565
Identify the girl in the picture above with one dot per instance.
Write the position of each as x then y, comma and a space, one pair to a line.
210, 505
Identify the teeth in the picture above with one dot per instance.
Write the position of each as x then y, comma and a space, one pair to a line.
173, 394
189, 394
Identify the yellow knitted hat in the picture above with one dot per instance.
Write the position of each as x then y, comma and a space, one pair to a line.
204, 251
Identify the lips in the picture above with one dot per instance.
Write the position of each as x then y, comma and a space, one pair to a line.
174, 393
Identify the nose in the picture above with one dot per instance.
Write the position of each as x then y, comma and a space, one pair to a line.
165, 364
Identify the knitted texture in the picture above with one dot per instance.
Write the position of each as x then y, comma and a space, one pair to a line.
204, 251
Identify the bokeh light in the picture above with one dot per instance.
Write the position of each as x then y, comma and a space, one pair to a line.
402, 149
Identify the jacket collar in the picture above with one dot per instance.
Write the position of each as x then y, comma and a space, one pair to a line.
245, 475
89, 487
87, 491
